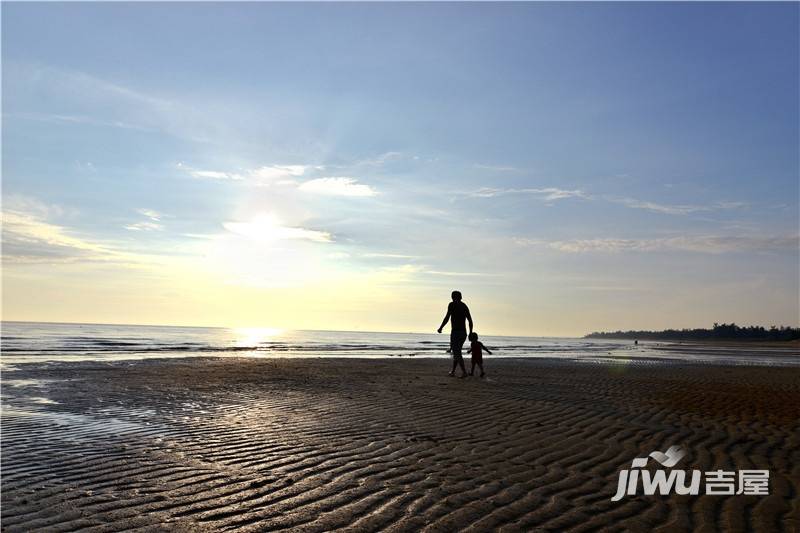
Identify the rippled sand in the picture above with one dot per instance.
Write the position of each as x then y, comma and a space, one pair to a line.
317, 445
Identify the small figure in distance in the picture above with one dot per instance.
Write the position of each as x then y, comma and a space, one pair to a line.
457, 314
476, 348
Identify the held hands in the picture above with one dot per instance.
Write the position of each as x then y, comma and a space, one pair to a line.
439, 330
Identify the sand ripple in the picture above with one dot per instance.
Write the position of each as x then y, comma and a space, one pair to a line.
366, 445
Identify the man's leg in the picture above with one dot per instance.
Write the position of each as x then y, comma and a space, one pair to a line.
453, 340
458, 338
463, 368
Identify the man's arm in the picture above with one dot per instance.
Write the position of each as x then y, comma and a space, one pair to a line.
469, 318
446, 318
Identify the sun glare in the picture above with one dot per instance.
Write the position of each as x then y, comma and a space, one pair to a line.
254, 337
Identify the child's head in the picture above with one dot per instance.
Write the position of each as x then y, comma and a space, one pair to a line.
473, 336
456, 295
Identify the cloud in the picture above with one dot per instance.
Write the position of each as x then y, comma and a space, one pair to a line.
457, 274
423, 269
550, 194
144, 226
149, 213
337, 186
209, 174
675, 209
100, 102
77, 119
153, 224
547, 193
215, 175
264, 175
496, 168
338, 255
383, 159
389, 256
28, 206
29, 238
700, 244
277, 172
268, 228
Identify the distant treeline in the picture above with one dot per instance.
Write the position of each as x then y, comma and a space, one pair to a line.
718, 332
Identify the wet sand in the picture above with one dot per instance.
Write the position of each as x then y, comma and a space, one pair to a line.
388, 444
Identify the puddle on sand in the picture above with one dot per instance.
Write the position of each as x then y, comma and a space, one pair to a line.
41, 400
77, 423
26, 382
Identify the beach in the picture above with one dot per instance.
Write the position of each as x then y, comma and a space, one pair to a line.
319, 444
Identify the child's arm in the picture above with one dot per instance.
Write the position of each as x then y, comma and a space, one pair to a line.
485, 348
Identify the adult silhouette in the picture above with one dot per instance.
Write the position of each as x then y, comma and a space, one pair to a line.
457, 314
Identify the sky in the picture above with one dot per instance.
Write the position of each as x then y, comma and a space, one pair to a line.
569, 167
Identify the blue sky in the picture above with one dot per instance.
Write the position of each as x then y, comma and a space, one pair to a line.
569, 167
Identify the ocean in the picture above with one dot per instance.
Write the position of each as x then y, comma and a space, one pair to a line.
25, 342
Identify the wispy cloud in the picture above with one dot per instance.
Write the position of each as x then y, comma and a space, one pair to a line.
337, 186
383, 158
214, 175
458, 274
550, 194
423, 269
97, 101
28, 237
547, 193
672, 209
389, 256
264, 175
77, 119
496, 168
268, 228
152, 224
278, 172
710, 244
144, 226
151, 214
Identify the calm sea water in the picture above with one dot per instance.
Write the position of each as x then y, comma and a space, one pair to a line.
34, 341
26, 342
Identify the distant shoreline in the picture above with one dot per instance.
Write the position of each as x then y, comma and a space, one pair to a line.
719, 333
747, 342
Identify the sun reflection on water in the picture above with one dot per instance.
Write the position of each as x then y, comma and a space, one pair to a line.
254, 337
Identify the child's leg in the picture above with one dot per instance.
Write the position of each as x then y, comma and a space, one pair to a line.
472, 370
480, 365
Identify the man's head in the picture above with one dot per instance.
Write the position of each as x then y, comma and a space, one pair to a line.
456, 295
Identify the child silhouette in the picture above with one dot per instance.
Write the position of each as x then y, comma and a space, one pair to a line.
476, 348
